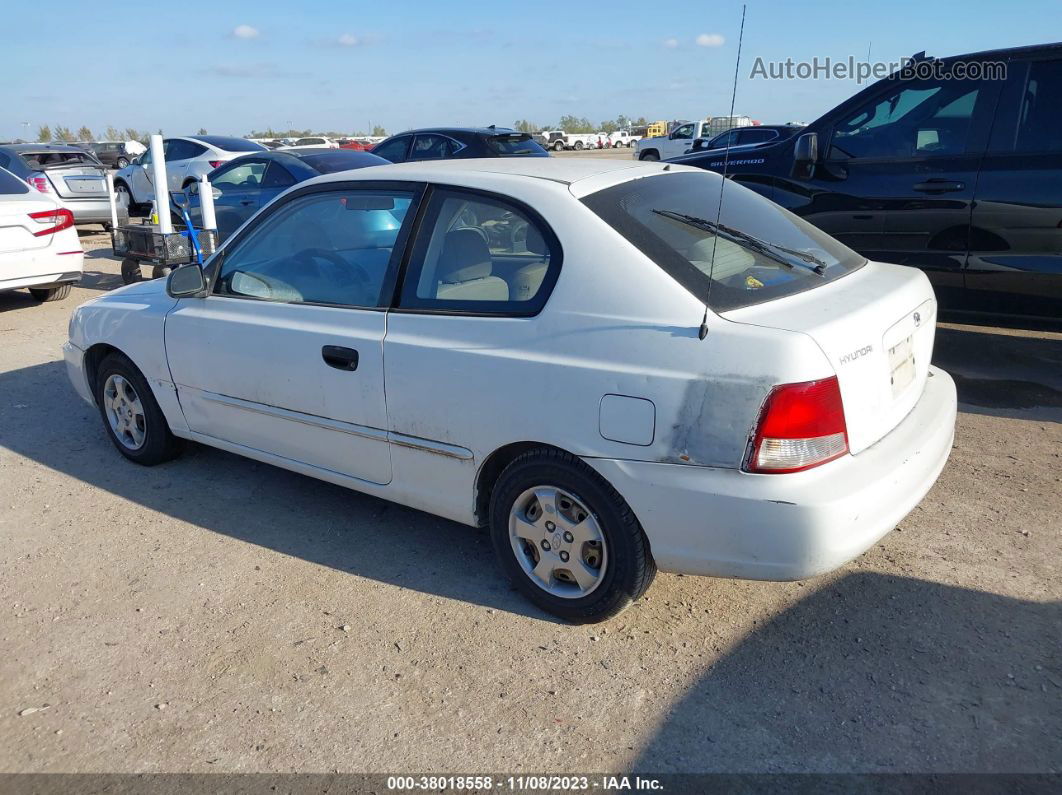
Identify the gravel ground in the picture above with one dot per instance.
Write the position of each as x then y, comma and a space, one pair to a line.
219, 615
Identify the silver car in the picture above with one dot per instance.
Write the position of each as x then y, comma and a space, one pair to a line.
72, 175
187, 159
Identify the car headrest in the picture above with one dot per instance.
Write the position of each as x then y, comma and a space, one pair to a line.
465, 256
536, 244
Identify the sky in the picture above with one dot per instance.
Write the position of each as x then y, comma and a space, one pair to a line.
234, 66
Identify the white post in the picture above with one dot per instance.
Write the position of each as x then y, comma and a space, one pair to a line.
162, 187
206, 203
110, 200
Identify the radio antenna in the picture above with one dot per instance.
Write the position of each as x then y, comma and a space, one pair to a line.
722, 183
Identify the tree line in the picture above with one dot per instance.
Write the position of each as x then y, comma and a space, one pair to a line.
47, 133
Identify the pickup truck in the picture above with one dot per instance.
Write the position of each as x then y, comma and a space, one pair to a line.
677, 142
623, 138
558, 139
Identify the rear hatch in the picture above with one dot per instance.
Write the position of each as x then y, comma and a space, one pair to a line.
876, 326
73, 175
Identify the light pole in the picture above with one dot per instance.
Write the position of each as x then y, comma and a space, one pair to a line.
25, 130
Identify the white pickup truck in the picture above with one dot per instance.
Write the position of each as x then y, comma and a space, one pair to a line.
558, 139
623, 138
678, 142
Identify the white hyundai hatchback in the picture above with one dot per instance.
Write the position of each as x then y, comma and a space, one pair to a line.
595, 359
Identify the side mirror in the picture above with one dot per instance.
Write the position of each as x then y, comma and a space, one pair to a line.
187, 281
698, 144
805, 154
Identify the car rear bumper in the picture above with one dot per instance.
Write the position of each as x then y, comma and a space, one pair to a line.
728, 523
46, 279
94, 211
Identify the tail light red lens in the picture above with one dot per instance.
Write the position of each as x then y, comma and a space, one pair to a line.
60, 218
801, 426
40, 182
215, 163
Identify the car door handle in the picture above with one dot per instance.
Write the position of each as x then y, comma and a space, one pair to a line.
246, 202
938, 186
340, 358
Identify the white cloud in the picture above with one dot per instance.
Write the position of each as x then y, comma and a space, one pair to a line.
671, 44
245, 32
710, 40
348, 40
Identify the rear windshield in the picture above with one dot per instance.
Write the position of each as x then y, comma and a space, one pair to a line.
514, 144
332, 160
756, 251
46, 160
230, 144
10, 184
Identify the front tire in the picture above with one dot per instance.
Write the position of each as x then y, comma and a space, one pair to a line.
45, 294
558, 146
567, 539
121, 163
131, 415
650, 156
122, 194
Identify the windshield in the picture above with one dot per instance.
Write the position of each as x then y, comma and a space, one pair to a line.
514, 144
761, 251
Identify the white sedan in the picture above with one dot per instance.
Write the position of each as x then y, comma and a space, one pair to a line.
588, 356
39, 246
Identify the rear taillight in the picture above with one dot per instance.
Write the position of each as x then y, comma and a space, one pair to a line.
800, 427
215, 163
59, 219
40, 182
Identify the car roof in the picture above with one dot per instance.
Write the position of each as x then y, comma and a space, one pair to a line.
464, 130
566, 170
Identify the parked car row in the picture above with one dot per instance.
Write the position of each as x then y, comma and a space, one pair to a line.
559, 140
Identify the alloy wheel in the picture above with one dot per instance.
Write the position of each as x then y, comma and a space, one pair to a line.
125, 412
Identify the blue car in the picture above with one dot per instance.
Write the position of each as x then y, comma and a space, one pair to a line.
244, 185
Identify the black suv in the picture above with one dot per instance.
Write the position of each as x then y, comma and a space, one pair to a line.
958, 175
446, 143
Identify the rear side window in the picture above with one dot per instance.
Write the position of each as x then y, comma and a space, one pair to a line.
518, 144
482, 255
757, 251
242, 175
1040, 117
10, 184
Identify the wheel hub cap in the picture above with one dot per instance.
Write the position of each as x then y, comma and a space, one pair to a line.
125, 412
564, 555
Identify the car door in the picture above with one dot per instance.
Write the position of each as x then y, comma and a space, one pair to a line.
179, 155
898, 178
479, 272
1015, 263
285, 354
678, 141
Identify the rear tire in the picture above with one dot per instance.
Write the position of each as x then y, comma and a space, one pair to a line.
618, 564
131, 415
45, 294
121, 163
578, 146
131, 271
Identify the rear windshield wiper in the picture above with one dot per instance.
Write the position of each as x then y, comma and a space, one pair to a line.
767, 249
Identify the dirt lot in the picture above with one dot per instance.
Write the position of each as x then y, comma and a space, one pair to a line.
215, 614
